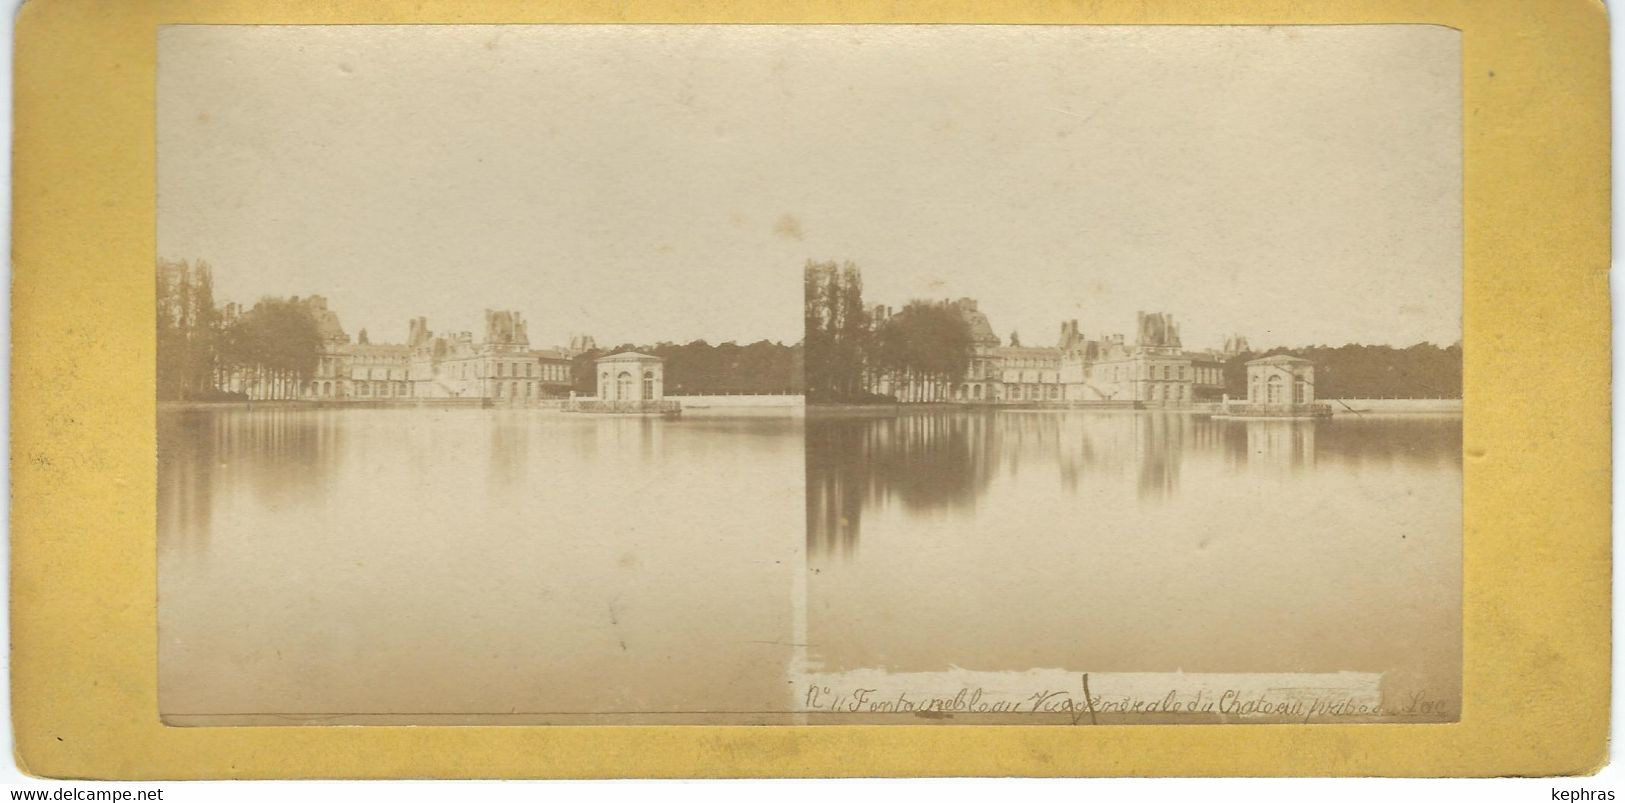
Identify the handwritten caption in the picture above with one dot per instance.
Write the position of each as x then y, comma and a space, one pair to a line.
1082, 707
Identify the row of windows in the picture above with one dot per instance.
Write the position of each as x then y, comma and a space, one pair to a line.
518, 390
1165, 371
1170, 393
623, 386
1033, 392
1275, 391
382, 389
547, 372
552, 372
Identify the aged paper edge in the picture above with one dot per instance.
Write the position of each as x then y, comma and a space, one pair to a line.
1536, 430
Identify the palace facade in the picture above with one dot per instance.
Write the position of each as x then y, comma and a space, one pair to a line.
1154, 368
501, 367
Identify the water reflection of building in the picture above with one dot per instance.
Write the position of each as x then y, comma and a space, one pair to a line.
1282, 444
1154, 369
942, 462
945, 461
502, 366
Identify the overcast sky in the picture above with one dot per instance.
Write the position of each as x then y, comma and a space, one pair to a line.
1298, 185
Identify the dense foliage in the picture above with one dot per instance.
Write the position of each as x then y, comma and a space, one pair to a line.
275, 343
837, 330
924, 342
702, 369
189, 332
1357, 371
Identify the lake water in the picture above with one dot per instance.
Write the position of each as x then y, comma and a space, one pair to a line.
1138, 542
465, 565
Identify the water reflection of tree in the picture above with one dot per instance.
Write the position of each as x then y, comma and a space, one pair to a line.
944, 461
923, 462
279, 454
1417, 440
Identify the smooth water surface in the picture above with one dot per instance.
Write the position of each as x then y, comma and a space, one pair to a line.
466, 561
1137, 542
447, 565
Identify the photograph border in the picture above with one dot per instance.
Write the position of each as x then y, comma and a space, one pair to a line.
1536, 430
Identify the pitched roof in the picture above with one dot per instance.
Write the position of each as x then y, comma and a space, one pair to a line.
981, 331
381, 348
1026, 351
1281, 359
630, 356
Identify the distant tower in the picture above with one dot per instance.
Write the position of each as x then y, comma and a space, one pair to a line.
417, 332
505, 328
361, 338
1071, 336
581, 343
1157, 331
327, 321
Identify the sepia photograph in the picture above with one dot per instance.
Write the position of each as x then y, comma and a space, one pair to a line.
809, 374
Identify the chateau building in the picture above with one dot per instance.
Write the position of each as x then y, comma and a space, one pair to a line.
501, 367
1282, 379
631, 376
1154, 368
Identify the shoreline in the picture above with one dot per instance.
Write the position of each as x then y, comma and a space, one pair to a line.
1341, 408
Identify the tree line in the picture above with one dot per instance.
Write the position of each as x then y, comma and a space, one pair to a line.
700, 368
205, 356
1357, 371
926, 344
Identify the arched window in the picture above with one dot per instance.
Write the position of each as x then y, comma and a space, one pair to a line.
648, 385
1275, 390
603, 384
1303, 392
1253, 391
623, 386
